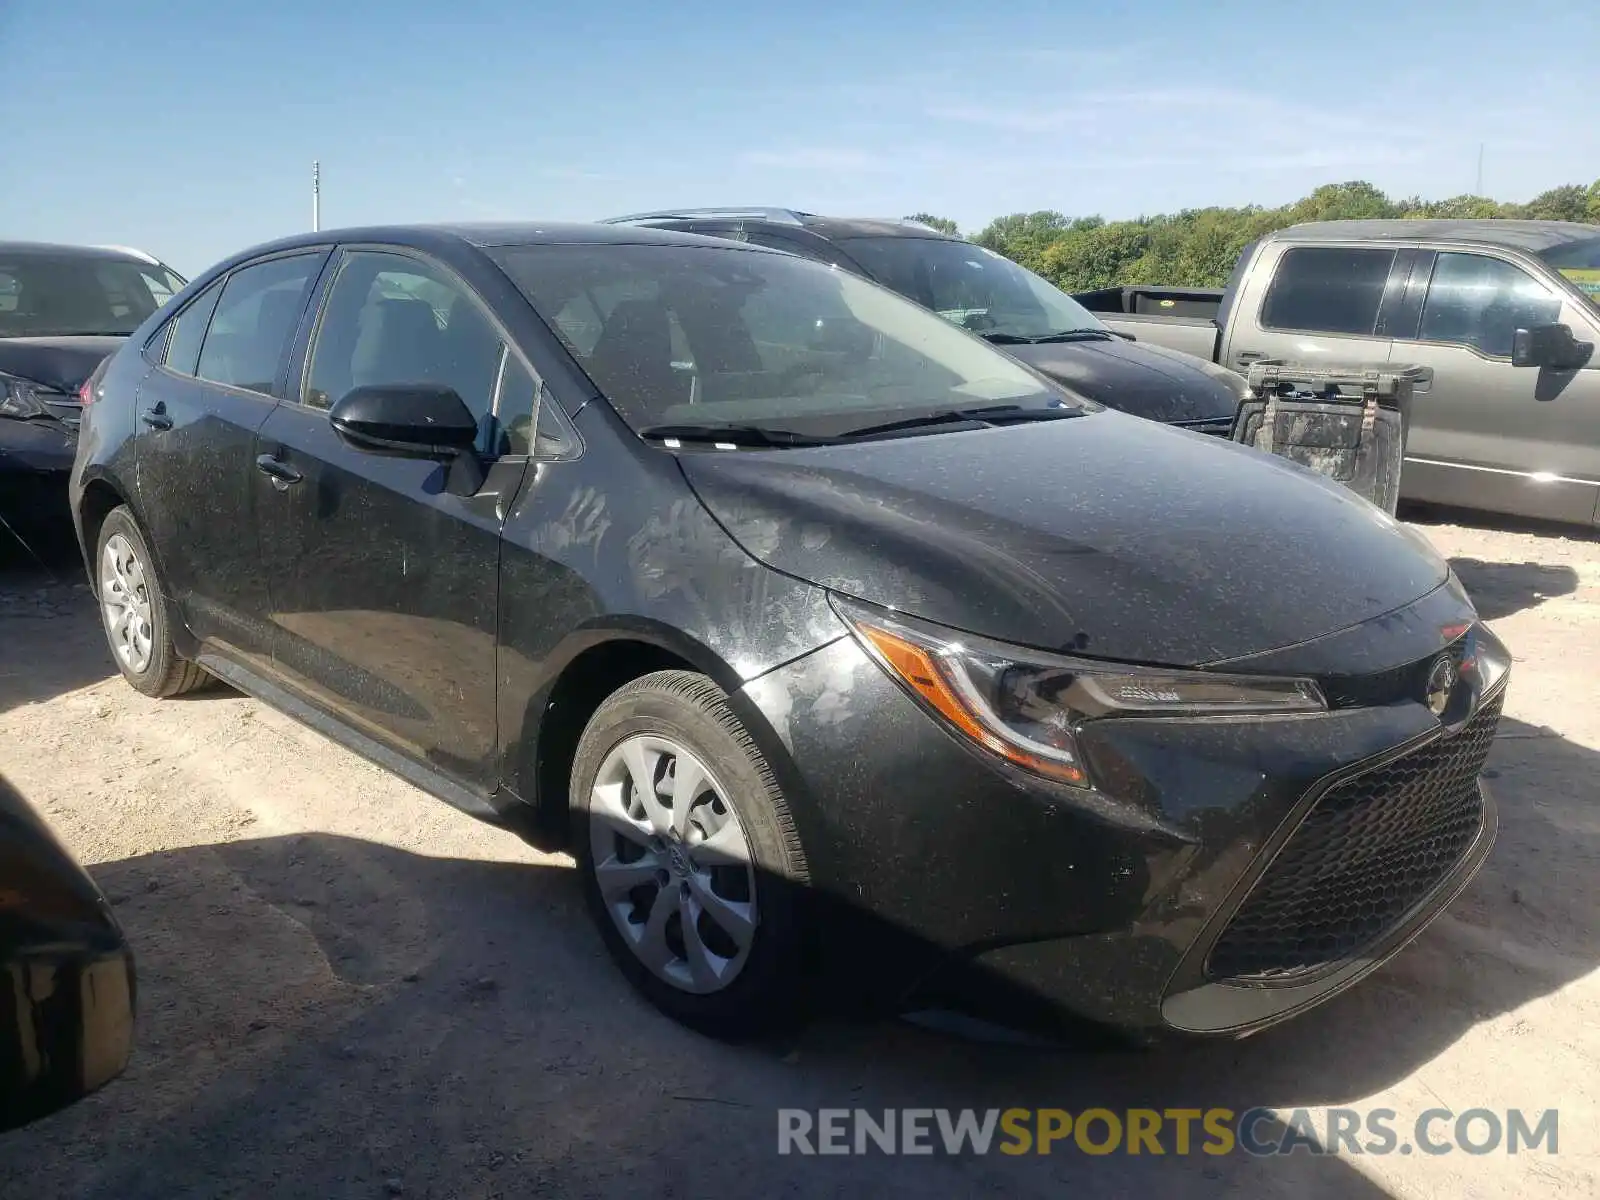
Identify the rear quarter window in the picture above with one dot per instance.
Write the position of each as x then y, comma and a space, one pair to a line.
1327, 289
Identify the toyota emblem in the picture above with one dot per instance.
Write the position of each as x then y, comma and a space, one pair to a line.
1441, 682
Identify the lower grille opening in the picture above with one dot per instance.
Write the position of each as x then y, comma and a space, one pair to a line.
1368, 852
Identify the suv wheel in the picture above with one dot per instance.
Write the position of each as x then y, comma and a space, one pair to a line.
134, 613
690, 859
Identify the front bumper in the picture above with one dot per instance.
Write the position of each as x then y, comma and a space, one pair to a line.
943, 873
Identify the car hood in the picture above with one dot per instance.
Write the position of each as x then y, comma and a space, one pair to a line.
1146, 381
1099, 535
62, 363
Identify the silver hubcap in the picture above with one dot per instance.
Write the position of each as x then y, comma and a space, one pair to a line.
125, 603
673, 863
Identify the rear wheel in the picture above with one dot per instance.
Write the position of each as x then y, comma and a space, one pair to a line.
691, 862
135, 614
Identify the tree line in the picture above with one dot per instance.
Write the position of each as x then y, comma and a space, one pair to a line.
1197, 247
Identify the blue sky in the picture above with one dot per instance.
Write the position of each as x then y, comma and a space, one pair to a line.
189, 128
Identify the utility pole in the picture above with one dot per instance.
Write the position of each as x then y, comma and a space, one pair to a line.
316, 197
1479, 189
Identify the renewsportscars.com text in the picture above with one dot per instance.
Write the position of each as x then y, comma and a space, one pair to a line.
1178, 1131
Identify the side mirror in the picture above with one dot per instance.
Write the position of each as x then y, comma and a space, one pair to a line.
66, 975
407, 420
1548, 346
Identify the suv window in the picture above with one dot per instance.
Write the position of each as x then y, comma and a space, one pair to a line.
1481, 302
255, 317
971, 286
1327, 289
811, 248
393, 319
189, 330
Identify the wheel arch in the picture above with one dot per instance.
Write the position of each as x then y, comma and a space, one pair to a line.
98, 497
593, 664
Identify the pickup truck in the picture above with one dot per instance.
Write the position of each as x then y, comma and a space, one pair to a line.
1503, 317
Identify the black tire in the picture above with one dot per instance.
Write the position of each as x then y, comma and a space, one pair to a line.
767, 995
167, 673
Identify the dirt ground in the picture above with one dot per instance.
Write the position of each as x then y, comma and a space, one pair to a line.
347, 989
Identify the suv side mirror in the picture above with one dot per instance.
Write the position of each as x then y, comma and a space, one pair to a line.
1548, 346
408, 420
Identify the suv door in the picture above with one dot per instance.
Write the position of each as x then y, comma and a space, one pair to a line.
384, 584
1318, 304
218, 364
1485, 434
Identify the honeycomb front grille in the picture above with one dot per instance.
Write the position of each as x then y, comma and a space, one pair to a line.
1370, 850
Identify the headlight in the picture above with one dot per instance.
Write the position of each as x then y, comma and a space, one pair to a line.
1027, 705
19, 399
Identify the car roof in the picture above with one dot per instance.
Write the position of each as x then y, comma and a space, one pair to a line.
1518, 235
498, 234
792, 218
61, 250
436, 237
848, 227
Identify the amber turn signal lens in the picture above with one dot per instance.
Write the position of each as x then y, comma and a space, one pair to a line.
917, 668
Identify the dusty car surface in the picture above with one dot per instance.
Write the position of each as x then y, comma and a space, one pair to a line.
835, 643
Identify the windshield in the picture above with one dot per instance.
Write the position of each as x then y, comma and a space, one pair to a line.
703, 336
1579, 264
973, 287
45, 294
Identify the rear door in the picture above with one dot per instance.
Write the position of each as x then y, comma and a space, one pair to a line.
1486, 434
1316, 304
385, 585
216, 380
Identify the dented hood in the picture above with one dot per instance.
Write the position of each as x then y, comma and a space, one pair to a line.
1102, 535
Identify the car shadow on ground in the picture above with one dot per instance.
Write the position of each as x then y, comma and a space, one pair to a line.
331, 1017
1499, 589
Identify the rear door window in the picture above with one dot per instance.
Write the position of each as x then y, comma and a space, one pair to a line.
1479, 301
255, 317
1327, 289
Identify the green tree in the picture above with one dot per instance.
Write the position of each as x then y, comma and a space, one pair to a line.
1569, 203
942, 224
1198, 247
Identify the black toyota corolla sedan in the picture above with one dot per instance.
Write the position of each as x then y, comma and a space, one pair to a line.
834, 643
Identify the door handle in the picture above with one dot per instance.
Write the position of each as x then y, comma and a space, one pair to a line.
1249, 356
156, 416
283, 476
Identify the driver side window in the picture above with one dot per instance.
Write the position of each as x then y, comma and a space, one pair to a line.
1481, 302
392, 319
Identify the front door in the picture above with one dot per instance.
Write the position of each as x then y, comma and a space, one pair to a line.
1486, 434
384, 584
198, 414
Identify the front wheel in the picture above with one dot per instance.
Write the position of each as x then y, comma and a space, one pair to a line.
135, 613
691, 863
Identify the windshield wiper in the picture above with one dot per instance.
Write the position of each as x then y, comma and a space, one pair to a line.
1076, 335
1064, 335
732, 435
994, 414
